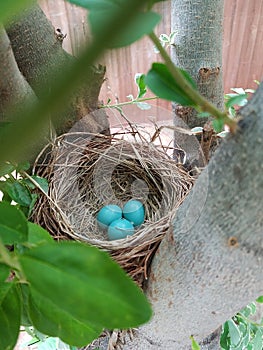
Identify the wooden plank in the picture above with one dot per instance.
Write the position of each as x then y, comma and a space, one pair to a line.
242, 47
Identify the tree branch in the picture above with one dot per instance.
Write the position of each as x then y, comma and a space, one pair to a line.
210, 265
39, 54
14, 89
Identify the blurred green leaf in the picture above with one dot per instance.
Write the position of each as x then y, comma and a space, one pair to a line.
239, 100
218, 125
143, 106
248, 310
143, 24
100, 10
6, 169
258, 340
204, 115
48, 344
140, 82
224, 338
4, 272
98, 5
37, 235
195, 345
9, 9
24, 166
54, 320
164, 38
19, 193
24, 293
13, 224
64, 84
162, 83
98, 290
260, 299
10, 313
234, 333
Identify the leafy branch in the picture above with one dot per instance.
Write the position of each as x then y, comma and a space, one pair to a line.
184, 87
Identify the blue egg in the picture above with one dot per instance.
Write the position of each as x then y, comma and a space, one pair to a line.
108, 214
134, 211
120, 228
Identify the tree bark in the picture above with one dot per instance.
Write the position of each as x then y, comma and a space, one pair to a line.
210, 265
38, 51
198, 50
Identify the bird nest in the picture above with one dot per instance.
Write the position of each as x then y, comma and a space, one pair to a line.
86, 172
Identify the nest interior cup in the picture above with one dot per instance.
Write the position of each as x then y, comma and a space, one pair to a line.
87, 172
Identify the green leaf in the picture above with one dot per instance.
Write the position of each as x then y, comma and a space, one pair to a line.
143, 106
24, 296
239, 100
195, 345
42, 182
140, 82
224, 338
24, 166
37, 235
10, 311
48, 344
197, 130
204, 115
98, 290
162, 83
98, 5
51, 319
218, 125
99, 12
19, 193
164, 38
142, 24
13, 224
9, 9
234, 333
260, 299
4, 272
258, 340
248, 310
6, 169
34, 197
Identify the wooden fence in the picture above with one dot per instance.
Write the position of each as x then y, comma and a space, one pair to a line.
242, 46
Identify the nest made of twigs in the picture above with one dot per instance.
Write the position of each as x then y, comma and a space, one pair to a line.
86, 172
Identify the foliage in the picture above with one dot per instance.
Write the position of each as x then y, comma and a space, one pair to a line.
241, 333
18, 187
139, 100
9, 9
37, 273
162, 83
166, 40
238, 98
195, 345
100, 10
43, 342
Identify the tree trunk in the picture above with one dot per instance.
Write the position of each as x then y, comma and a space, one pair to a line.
37, 47
14, 89
211, 264
198, 50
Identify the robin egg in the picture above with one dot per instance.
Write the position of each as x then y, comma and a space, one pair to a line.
108, 214
134, 211
120, 228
